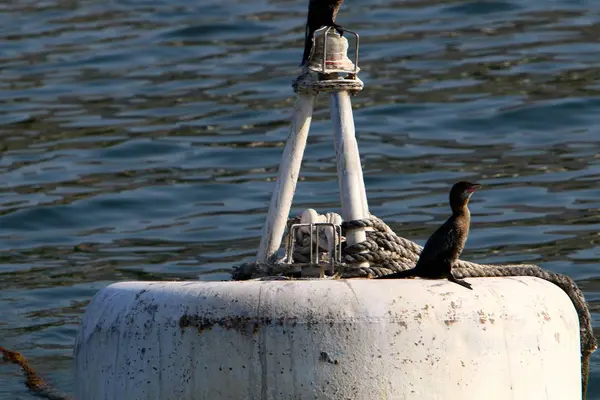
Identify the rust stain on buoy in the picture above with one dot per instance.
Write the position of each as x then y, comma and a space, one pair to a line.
243, 325
240, 324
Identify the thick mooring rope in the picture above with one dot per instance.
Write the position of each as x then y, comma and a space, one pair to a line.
387, 253
34, 382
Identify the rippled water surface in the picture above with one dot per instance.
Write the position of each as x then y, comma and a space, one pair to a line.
140, 139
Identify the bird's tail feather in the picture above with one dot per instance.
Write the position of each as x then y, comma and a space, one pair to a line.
400, 274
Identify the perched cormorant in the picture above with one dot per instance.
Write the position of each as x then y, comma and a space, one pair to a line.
444, 247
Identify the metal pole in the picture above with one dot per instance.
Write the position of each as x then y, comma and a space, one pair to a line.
352, 187
289, 168
337, 119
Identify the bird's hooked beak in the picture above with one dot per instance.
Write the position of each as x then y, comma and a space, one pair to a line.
474, 188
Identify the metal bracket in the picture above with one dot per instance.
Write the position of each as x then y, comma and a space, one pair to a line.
335, 255
325, 31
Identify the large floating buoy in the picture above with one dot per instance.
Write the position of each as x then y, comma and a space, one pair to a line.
358, 339
509, 338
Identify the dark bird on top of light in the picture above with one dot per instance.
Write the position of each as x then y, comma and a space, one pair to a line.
320, 13
443, 248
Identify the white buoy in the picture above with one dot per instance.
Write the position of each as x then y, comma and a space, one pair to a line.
509, 338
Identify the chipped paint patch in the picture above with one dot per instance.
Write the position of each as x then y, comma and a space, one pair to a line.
545, 315
484, 317
326, 358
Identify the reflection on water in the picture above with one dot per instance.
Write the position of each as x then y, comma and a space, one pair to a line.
140, 141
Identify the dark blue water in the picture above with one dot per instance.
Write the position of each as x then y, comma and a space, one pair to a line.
140, 139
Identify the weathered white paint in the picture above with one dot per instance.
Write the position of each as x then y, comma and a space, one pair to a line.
350, 176
289, 168
509, 338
